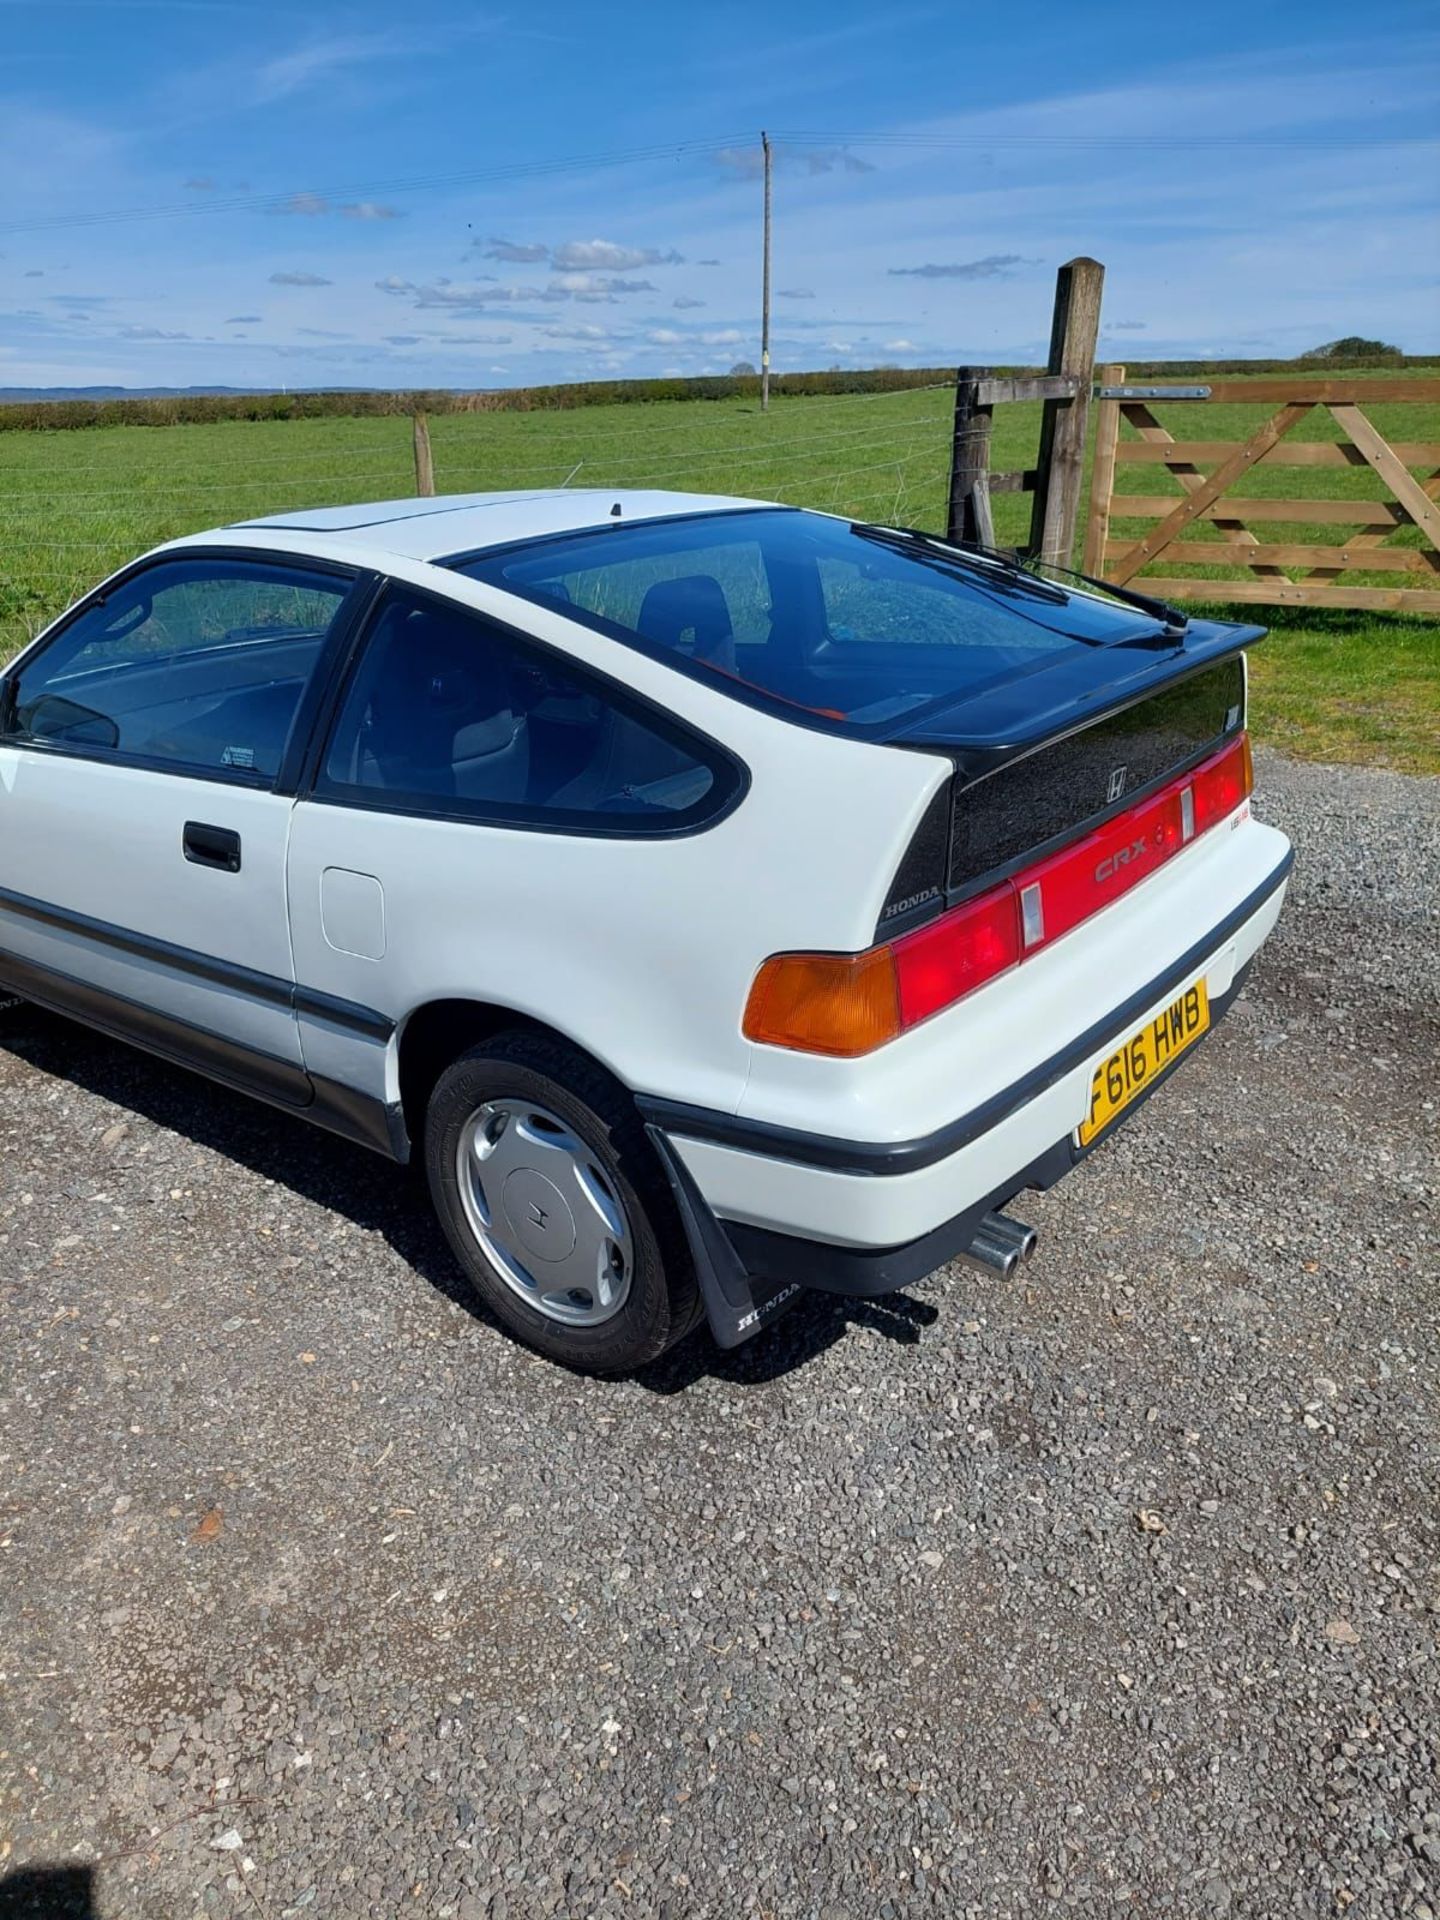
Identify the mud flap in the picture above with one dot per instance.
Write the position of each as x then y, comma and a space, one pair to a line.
736, 1306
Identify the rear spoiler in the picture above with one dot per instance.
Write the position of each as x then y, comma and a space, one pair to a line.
983, 730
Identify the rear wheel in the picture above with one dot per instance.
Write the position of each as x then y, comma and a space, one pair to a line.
552, 1200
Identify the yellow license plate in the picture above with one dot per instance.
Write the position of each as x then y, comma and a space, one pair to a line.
1140, 1060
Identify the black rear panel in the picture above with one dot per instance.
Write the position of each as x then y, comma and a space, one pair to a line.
977, 829
1062, 788
919, 884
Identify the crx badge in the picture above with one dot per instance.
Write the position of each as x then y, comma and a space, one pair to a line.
1116, 784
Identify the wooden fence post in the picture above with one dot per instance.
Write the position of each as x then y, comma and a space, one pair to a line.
969, 515
424, 464
1102, 473
1061, 463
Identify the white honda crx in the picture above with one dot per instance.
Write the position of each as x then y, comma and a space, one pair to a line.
723, 899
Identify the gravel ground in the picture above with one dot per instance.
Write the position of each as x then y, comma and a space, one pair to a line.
1113, 1590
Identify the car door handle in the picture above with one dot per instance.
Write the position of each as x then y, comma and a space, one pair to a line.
212, 846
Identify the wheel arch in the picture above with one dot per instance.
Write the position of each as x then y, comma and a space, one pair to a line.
439, 1031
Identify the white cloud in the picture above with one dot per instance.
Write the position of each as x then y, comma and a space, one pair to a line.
519, 253
596, 286
991, 267
308, 204
473, 297
605, 253
748, 163
313, 205
290, 73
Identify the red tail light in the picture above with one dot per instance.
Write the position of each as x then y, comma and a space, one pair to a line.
1222, 783
960, 951
849, 1004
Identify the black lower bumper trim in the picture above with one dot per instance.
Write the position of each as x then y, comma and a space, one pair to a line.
748, 1275
864, 1273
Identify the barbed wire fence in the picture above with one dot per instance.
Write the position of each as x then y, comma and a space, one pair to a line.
77, 503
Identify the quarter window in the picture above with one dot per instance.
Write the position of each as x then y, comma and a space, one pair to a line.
451, 715
199, 663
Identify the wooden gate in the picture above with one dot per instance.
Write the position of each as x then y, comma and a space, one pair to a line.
1206, 523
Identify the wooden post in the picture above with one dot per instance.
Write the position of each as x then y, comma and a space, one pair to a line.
424, 464
1102, 473
969, 513
1061, 462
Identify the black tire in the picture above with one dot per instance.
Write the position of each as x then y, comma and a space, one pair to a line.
663, 1303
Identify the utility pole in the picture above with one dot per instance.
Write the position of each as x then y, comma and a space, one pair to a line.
765, 290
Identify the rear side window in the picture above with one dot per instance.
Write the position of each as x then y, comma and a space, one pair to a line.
198, 664
450, 715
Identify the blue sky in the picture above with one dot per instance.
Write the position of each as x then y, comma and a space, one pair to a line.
228, 191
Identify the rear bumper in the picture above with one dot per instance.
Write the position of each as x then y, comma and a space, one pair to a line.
866, 1272
862, 1218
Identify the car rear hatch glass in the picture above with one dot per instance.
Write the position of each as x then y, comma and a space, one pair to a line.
858, 629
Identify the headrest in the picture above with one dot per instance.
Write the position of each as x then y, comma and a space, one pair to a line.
693, 604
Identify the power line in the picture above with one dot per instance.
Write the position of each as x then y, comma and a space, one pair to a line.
541, 421
135, 506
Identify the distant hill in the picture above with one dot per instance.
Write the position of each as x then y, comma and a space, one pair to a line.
19, 394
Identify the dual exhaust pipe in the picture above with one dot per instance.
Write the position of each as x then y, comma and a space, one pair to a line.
1000, 1246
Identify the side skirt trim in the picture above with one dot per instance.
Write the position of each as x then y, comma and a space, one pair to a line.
284, 1082
268, 988
280, 1083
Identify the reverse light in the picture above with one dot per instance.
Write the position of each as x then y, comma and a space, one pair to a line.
846, 1004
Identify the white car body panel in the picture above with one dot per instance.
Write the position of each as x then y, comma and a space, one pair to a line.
107, 842
422, 528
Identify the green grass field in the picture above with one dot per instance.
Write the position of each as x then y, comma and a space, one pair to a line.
74, 504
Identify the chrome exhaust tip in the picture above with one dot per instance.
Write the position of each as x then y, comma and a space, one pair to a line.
1000, 1245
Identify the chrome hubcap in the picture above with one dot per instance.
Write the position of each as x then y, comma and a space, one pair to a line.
546, 1215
